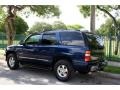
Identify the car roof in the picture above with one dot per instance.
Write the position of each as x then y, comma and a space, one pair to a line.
57, 31
61, 30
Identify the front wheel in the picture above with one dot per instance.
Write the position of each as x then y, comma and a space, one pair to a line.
63, 70
12, 62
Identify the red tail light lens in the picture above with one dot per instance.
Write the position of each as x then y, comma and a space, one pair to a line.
87, 56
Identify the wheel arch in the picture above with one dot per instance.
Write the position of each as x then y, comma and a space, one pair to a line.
10, 52
61, 57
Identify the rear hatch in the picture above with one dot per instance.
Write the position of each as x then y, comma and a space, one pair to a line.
96, 46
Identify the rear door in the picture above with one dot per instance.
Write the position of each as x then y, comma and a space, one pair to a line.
48, 47
73, 41
96, 45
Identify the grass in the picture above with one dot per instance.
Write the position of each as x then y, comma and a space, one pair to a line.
112, 69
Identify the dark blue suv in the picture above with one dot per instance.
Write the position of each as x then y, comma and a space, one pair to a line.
63, 51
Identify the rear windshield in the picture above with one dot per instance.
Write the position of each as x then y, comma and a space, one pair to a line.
72, 38
95, 41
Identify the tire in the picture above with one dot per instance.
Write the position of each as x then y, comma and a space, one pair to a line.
12, 62
63, 70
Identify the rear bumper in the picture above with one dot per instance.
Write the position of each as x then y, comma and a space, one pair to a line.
90, 66
98, 67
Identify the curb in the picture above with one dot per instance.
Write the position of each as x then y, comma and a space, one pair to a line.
110, 75
113, 63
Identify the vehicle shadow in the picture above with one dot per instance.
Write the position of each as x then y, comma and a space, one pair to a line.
27, 75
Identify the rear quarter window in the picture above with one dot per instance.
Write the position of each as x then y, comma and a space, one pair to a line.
95, 41
72, 38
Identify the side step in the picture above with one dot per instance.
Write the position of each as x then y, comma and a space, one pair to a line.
44, 67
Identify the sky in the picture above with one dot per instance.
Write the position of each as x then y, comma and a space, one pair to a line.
69, 15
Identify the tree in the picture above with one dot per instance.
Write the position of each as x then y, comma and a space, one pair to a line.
106, 28
39, 10
89, 11
92, 19
2, 17
2, 28
20, 25
40, 27
58, 25
74, 27
85, 10
106, 10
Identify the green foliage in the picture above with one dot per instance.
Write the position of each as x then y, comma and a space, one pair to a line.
74, 27
106, 9
43, 10
2, 28
2, 17
39, 10
85, 10
43, 26
19, 24
58, 25
107, 27
40, 27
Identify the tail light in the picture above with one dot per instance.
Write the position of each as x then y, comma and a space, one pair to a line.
87, 56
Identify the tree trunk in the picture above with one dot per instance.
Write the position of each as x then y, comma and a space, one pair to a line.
92, 19
117, 43
10, 31
9, 26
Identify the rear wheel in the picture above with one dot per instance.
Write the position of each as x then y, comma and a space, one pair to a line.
12, 62
63, 70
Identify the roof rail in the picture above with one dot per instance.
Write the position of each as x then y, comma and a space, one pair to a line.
85, 30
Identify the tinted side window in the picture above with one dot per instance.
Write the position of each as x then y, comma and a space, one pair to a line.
49, 39
35, 39
72, 38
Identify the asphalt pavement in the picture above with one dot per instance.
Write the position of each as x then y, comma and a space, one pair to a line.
30, 76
